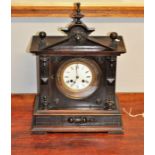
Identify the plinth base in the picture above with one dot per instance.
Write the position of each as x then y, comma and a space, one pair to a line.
107, 121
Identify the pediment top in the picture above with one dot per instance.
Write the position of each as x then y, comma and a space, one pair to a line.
77, 40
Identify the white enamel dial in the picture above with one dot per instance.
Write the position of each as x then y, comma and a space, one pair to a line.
77, 76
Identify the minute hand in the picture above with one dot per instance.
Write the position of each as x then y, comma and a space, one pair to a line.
77, 72
76, 76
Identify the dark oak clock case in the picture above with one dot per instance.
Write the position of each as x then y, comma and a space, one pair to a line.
53, 111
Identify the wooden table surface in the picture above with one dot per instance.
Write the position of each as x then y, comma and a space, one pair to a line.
25, 143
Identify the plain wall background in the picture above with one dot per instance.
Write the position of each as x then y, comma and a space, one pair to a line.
130, 72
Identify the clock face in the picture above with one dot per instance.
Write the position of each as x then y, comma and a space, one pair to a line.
78, 78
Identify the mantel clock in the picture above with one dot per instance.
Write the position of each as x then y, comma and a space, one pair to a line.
76, 80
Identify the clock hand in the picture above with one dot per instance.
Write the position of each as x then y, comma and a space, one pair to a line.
77, 72
76, 76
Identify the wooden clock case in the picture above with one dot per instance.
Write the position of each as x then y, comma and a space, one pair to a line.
53, 111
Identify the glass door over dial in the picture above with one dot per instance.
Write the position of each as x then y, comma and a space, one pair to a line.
78, 78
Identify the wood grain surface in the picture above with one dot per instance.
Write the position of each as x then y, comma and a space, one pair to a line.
88, 11
25, 143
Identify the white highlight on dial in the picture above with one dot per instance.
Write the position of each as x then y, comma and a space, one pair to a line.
77, 76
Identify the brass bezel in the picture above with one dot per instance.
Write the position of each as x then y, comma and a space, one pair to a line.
86, 92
